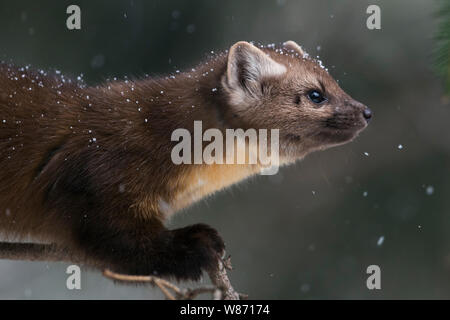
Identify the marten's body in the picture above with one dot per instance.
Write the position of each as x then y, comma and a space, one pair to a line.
90, 168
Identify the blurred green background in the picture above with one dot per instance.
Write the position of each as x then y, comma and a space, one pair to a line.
310, 231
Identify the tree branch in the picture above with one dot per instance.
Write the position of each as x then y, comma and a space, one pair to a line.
222, 288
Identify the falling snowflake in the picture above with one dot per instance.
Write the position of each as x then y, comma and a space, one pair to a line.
429, 190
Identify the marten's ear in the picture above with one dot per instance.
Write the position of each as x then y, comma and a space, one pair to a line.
293, 46
247, 67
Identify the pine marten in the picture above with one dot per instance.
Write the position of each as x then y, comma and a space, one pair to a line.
90, 168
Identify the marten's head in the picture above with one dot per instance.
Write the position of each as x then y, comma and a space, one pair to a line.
285, 89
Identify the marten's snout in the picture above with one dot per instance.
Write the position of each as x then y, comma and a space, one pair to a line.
367, 114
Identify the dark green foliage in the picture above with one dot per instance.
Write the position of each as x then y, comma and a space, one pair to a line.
442, 51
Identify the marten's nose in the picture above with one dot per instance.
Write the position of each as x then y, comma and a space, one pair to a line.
367, 113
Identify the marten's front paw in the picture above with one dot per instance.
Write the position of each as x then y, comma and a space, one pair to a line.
197, 248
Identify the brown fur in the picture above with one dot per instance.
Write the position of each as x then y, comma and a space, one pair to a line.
109, 196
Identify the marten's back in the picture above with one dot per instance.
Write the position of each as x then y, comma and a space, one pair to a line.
34, 117
63, 144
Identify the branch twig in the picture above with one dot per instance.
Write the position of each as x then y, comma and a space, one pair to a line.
170, 291
220, 279
222, 288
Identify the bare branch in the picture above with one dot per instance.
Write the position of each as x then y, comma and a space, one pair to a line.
50, 252
220, 279
162, 284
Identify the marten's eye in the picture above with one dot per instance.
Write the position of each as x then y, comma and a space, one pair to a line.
316, 96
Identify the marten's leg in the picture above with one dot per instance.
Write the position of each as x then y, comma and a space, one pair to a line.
147, 248
103, 225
